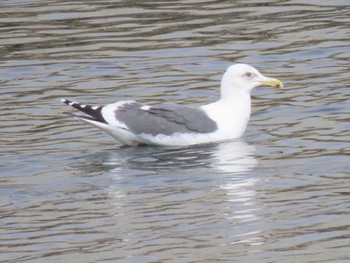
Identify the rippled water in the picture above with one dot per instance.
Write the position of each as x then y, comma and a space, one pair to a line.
69, 193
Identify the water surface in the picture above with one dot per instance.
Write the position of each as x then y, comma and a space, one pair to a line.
70, 193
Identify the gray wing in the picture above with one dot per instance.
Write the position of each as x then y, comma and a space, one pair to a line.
165, 119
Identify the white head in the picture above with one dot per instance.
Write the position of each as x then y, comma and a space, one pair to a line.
242, 77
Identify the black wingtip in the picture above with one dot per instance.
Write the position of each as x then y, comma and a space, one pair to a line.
93, 111
69, 102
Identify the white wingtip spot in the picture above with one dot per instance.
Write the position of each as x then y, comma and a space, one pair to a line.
83, 106
71, 103
95, 107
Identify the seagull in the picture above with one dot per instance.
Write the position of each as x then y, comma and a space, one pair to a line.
167, 124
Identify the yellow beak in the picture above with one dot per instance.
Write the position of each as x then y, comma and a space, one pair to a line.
276, 83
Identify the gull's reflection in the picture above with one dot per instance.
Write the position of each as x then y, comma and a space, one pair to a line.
208, 186
234, 157
230, 157
222, 169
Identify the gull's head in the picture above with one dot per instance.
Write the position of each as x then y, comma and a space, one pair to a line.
245, 78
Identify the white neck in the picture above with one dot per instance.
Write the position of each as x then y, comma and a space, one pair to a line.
231, 112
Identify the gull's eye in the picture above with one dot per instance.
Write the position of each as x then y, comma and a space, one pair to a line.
248, 75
